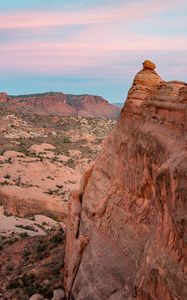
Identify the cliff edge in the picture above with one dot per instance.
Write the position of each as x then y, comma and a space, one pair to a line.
127, 224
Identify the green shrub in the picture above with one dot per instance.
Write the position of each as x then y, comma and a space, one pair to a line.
23, 235
66, 139
7, 176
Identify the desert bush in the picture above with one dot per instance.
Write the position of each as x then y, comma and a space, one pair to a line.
66, 139
23, 235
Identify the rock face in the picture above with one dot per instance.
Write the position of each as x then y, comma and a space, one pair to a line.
67, 105
127, 225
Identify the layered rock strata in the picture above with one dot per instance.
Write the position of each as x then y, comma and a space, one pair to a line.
66, 105
127, 224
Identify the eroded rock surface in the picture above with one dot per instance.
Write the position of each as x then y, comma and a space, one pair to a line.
127, 224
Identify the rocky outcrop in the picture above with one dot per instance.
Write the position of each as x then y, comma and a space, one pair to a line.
3, 97
21, 203
147, 64
127, 224
93, 106
67, 105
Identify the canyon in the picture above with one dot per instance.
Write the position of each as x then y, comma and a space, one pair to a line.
127, 223
42, 159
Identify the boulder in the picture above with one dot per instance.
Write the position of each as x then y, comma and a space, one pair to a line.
147, 64
58, 294
36, 297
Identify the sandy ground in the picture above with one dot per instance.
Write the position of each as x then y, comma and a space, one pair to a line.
12, 224
40, 174
42, 160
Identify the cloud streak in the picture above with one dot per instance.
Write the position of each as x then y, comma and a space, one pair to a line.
107, 40
32, 19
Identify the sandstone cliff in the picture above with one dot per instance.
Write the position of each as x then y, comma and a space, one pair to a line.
127, 225
66, 105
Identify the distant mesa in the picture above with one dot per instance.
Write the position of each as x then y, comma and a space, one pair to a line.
63, 104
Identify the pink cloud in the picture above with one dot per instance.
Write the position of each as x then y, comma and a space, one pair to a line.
81, 52
100, 15
95, 46
94, 41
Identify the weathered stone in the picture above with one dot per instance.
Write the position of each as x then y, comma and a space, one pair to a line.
127, 239
147, 64
58, 294
36, 297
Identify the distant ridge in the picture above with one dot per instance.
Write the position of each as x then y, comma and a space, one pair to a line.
58, 103
31, 95
44, 94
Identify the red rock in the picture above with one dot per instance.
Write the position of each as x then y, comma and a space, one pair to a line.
58, 294
62, 104
127, 225
36, 297
3, 97
147, 64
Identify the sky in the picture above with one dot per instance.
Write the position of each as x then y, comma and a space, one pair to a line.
89, 46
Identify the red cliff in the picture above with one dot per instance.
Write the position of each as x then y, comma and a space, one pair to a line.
127, 225
66, 105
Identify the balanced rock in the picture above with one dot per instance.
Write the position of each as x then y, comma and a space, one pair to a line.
147, 64
145, 82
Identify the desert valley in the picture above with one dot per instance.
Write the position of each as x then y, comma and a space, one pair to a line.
76, 209
43, 156
93, 150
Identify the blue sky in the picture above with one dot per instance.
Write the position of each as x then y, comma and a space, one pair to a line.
93, 47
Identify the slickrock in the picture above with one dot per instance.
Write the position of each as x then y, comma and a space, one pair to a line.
127, 224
